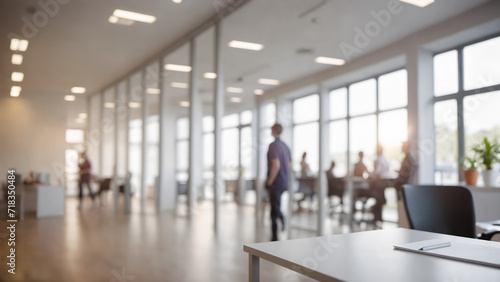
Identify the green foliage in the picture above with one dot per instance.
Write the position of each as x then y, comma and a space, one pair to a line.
487, 152
470, 163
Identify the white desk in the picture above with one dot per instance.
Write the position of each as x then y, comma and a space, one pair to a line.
368, 256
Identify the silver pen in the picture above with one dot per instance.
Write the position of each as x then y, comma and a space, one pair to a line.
436, 246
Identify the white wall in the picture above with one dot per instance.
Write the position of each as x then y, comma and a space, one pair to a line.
32, 132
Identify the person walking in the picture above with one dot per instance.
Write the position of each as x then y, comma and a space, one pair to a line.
85, 174
279, 162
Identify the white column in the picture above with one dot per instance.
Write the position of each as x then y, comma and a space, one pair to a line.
284, 116
324, 155
144, 144
101, 132
420, 111
167, 185
218, 113
115, 143
126, 157
259, 162
195, 135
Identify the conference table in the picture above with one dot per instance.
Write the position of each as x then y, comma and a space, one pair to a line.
370, 256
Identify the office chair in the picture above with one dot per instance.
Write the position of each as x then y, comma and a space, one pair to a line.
335, 188
442, 209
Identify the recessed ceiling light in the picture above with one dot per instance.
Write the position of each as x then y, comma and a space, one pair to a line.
70, 98
234, 90
246, 45
258, 92
418, 3
329, 61
153, 91
235, 99
268, 81
78, 90
117, 20
17, 59
134, 105
210, 75
15, 91
184, 104
82, 115
17, 76
18, 44
179, 84
177, 1
180, 68
134, 16
109, 105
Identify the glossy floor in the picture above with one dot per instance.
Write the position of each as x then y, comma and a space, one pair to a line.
95, 244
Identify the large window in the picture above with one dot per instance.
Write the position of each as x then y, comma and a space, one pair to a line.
366, 114
465, 104
182, 149
306, 132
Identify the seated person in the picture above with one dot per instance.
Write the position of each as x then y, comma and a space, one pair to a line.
360, 167
406, 174
305, 171
381, 165
335, 185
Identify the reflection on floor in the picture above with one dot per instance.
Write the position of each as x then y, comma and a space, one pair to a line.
95, 244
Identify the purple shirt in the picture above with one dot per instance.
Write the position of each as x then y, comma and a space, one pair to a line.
279, 150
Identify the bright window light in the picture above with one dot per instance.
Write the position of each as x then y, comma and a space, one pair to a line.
329, 61
74, 136
184, 104
258, 92
15, 91
235, 99
180, 68
78, 90
70, 98
17, 76
245, 45
82, 115
234, 90
268, 81
153, 91
134, 105
109, 105
134, 16
418, 3
179, 85
117, 20
177, 1
18, 44
17, 59
210, 75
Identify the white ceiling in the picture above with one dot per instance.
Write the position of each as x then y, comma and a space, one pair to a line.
79, 47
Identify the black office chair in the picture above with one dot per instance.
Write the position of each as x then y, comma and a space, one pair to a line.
442, 209
335, 188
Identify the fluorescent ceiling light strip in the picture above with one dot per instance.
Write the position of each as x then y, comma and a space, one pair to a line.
17, 44
15, 91
184, 104
109, 105
153, 91
210, 75
234, 90
23, 45
419, 3
258, 92
17, 59
17, 76
236, 99
134, 105
14, 44
268, 81
174, 67
245, 45
78, 90
120, 21
179, 85
329, 61
70, 98
134, 16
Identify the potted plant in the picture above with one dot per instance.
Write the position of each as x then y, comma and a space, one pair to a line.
469, 170
488, 154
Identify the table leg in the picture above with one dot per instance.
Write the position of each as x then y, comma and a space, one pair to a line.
350, 192
253, 268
